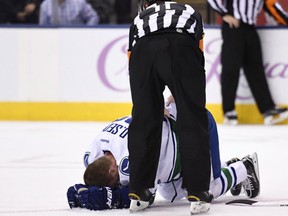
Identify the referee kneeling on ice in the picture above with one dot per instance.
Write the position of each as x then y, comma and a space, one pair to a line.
165, 43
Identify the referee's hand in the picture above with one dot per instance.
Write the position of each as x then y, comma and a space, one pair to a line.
232, 21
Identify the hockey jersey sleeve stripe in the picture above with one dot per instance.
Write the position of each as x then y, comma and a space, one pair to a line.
228, 177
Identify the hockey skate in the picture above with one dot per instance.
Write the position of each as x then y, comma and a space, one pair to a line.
230, 118
236, 190
141, 201
275, 116
200, 202
233, 160
252, 184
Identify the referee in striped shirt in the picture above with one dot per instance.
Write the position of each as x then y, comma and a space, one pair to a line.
242, 48
165, 46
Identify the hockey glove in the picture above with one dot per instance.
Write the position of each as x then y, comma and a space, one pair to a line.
72, 195
97, 198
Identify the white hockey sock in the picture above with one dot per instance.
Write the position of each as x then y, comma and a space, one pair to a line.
230, 176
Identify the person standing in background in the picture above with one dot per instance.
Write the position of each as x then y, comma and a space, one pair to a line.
67, 12
242, 48
123, 11
105, 10
19, 11
165, 49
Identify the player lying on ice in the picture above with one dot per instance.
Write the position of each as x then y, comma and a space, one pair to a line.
107, 174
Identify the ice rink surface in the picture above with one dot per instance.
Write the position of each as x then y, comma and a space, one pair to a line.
40, 160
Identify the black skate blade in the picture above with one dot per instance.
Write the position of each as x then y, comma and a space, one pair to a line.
263, 203
241, 201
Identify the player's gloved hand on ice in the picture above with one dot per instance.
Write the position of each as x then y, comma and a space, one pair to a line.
72, 195
97, 198
121, 195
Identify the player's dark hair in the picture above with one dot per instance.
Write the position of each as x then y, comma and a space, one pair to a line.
97, 173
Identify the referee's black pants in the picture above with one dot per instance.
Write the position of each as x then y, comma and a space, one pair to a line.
242, 48
175, 60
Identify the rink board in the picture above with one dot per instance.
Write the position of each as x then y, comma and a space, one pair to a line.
81, 74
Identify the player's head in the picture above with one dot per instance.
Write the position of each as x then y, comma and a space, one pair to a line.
102, 172
143, 4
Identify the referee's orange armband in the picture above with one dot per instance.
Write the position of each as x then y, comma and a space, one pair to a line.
201, 45
270, 6
128, 54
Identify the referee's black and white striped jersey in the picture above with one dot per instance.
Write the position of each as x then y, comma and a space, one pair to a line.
248, 10
244, 10
163, 16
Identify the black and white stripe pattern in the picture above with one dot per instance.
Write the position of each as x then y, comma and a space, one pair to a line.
244, 10
168, 15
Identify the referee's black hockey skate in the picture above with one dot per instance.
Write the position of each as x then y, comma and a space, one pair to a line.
141, 201
200, 202
252, 184
275, 116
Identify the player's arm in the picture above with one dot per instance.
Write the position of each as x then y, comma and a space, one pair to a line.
218, 6
273, 8
97, 198
214, 146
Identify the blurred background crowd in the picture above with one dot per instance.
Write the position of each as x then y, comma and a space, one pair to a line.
29, 11
94, 11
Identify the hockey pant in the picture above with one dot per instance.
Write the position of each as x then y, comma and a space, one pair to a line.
230, 176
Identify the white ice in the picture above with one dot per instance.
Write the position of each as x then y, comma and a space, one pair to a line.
40, 160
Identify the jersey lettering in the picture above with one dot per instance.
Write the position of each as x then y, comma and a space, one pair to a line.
115, 128
109, 197
124, 133
104, 140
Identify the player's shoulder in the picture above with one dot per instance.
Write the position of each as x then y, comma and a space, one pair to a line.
118, 129
124, 120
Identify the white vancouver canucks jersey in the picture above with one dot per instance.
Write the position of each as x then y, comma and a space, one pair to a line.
113, 138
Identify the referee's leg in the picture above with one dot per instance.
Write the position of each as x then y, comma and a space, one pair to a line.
255, 73
145, 130
232, 53
188, 87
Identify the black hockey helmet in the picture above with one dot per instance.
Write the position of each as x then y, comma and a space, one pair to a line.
142, 3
